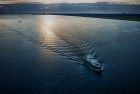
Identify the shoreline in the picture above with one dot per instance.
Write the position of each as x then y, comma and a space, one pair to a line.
129, 17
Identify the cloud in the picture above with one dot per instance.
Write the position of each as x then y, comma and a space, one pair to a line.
69, 1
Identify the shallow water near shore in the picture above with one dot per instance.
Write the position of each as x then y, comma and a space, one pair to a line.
41, 54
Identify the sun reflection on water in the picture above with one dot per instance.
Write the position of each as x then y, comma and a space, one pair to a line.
46, 26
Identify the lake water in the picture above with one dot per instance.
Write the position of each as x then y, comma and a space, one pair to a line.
41, 54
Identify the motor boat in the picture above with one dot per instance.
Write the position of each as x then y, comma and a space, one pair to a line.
94, 62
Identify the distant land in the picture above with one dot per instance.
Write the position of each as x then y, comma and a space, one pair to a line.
87, 8
101, 9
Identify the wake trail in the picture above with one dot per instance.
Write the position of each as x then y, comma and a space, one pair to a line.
67, 56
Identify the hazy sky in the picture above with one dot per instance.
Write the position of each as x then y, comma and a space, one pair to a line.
69, 1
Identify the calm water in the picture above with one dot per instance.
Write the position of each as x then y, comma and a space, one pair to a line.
42, 55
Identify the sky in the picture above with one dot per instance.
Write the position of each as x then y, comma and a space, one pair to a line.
68, 1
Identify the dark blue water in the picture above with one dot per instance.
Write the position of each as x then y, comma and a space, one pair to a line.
42, 55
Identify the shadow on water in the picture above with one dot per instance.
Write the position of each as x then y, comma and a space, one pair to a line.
128, 17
